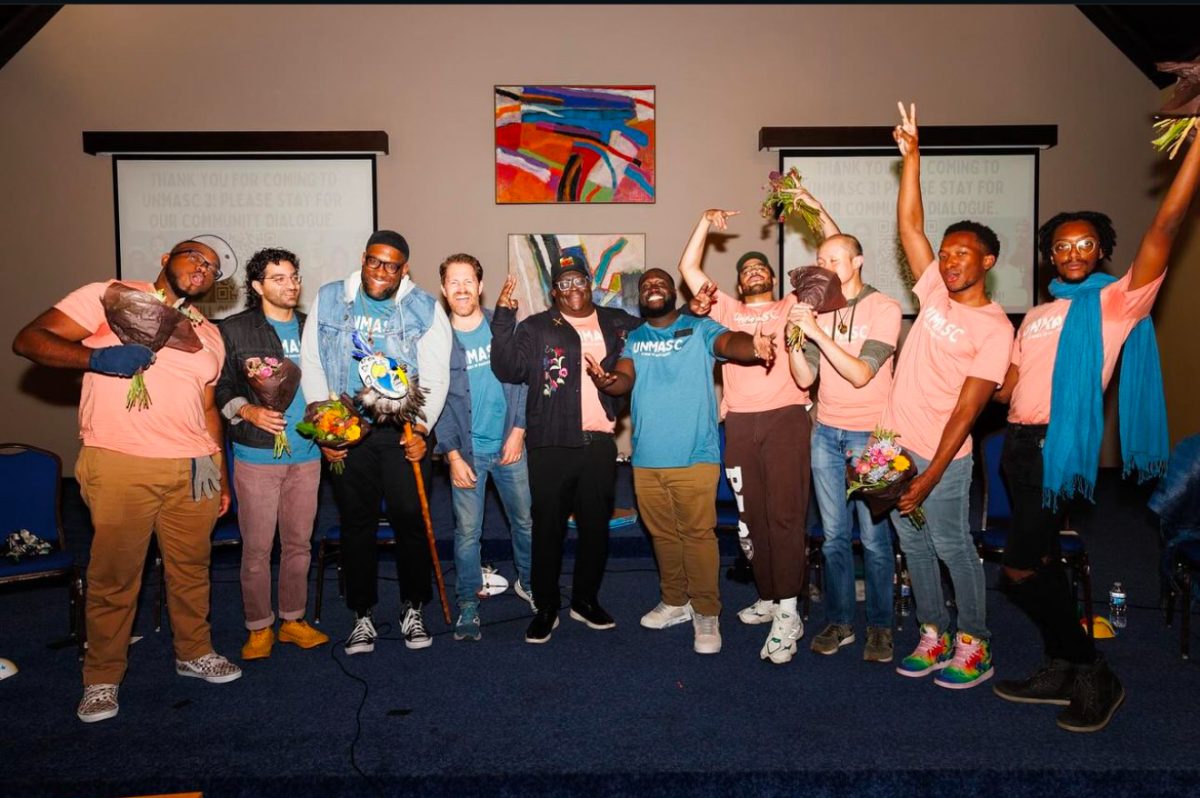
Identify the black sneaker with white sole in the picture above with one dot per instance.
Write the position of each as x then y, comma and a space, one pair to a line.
544, 622
592, 614
362, 637
412, 626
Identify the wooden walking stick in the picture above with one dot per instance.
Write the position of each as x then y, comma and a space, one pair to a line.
437, 566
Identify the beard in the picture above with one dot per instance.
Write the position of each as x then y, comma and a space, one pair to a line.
182, 290
667, 306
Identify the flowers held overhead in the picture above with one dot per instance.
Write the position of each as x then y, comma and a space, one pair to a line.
782, 200
333, 424
144, 317
274, 382
880, 474
1180, 117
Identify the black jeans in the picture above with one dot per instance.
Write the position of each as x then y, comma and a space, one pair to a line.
379, 480
565, 480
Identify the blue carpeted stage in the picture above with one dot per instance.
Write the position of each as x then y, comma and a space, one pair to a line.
622, 712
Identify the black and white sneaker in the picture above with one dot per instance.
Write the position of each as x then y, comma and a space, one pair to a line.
362, 638
412, 626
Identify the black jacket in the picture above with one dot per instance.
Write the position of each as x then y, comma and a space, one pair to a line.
536, 352
246, 334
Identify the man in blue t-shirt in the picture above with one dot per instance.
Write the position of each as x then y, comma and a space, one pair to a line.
481, 432
668, 365
271, 490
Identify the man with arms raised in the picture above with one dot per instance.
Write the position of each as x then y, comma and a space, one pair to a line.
767, 434
954, 358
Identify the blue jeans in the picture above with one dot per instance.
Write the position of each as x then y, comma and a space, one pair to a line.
512, 482
946, 536
829, 447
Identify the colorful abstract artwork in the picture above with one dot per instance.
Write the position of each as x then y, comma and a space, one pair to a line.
574, 144
615, 262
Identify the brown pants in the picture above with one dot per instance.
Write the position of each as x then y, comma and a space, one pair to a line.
130, 497
767, 462
679, 508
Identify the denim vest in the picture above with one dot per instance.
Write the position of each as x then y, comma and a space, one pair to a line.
410, 319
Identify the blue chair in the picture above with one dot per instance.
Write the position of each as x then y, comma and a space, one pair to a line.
1176, 500
997, 520
31, 498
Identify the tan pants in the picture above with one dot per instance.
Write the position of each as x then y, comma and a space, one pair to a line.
130, 497
678, 507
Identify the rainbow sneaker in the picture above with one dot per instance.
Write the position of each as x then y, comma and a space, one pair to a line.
972, 664
932, 654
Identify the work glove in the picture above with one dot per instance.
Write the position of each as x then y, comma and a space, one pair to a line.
124, 360
206, 478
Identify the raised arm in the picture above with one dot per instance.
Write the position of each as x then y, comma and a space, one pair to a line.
828, 226
1152, 255
910, 210
693, 253
510, 343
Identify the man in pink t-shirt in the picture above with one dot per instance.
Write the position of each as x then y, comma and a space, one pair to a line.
142, 471
1056, 413
848, 353
767, 437
950, 365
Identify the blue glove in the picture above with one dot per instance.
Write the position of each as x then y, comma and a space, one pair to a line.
124, 360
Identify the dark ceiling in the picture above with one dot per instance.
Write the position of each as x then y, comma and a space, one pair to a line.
1144, 33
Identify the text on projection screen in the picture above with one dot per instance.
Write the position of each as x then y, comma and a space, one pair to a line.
860, 193
321, 209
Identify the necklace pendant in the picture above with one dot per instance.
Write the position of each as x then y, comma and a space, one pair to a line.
842, 328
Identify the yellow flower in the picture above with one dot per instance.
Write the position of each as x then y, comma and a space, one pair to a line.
354, 433
901, 463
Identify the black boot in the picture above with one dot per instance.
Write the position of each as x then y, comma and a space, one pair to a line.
1096, 696
1051, 683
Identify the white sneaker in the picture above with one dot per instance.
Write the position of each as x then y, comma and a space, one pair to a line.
761, 611
708, 634
665, 615
780, 647
520, 590
99, 703
212, 668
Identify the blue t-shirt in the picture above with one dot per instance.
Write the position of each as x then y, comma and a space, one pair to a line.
303, 449
488, 407
674, 402
369, 315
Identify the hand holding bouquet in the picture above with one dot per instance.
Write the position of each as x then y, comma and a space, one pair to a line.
274, 382
880, 473
1180, 117
785, 197
333, 424
144, 317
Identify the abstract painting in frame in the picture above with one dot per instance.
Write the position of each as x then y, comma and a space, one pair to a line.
574, 144
615, 261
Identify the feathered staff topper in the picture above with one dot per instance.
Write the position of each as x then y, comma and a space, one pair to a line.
388, 394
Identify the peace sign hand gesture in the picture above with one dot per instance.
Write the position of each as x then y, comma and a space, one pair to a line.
905, 133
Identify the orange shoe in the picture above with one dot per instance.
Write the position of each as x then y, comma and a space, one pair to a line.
258, 646
300, 633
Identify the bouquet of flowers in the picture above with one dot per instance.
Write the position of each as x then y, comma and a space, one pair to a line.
1180, 117
274, 382
880, 473
818, 287
333, 424
781, 202
144, 317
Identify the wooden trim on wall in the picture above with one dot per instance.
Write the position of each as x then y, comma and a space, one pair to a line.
104, 142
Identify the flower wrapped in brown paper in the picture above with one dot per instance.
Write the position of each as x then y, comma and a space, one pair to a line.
142, 317
1179, 119
817, 287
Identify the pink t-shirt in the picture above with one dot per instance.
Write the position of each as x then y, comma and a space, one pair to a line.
753, 389
948, 343
1037, 343
592, 340
875, 317
173, 425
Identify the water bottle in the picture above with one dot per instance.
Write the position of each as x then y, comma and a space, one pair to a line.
1116, 606
905, 594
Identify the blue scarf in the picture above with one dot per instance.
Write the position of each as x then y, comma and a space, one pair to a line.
1071, 454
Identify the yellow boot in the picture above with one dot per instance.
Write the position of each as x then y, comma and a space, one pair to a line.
258, 646
300, 633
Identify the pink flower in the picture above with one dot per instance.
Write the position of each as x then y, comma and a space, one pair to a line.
862, 467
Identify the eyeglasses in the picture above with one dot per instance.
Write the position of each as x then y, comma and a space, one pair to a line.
196, 259
1084, 246
389, 266
281, 280
567, 283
